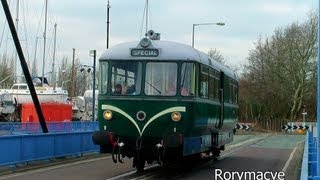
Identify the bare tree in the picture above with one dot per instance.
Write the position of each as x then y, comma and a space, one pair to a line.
282, 71
6, 70
216, 55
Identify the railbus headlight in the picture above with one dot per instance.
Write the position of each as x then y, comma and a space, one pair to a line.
176, 116
107, 114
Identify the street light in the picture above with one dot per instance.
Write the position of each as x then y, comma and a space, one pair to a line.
194, 25
93, 53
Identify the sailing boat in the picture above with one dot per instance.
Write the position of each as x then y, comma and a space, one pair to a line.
21, 94
20, 91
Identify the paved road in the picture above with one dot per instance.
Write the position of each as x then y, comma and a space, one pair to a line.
95, 169
268, 155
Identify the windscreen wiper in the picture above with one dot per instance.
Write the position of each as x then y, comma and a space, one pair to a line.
154, 87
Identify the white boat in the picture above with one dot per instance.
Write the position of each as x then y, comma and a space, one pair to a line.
82, 106
21, 94
6, 103
7, 107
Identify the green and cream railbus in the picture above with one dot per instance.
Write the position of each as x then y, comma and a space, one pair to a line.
163, 101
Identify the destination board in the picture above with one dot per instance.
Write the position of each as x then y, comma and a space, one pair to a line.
144, 52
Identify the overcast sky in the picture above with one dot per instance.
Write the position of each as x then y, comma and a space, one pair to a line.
82, 24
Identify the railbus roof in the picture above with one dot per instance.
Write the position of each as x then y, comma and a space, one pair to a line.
168, 51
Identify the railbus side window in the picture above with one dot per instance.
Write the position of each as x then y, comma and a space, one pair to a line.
236, 93
188, 79
204, 77
161, 79
233, 92
213, 84
126, 78
103, 83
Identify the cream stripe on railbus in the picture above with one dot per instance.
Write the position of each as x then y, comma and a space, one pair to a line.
166, 111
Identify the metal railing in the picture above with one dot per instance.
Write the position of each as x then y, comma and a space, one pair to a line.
14, 128
25, 142
16, 149
309, 162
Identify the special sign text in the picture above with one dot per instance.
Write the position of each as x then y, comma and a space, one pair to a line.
144, 52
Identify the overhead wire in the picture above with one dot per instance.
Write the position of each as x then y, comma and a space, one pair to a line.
42, 12
2, 34
36, 56
149, 19
3, 31
141, 27
146, 19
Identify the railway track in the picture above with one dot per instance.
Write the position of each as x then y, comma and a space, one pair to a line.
178, 170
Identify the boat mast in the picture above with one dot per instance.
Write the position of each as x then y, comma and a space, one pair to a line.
44, 42
34, 65
17, 28
24, 66
53, 75
108, 24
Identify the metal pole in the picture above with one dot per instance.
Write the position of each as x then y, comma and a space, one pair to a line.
304, 113
53, 75
24, 66
108, 24
193, 25
44, 42
318, 100
72, 74
35, 59
15, 57
94, 85
84, 81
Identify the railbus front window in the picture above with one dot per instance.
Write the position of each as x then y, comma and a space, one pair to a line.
103, 83
188, 79
126, 78
161, 79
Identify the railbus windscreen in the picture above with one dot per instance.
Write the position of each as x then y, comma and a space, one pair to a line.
161, 79
125, 78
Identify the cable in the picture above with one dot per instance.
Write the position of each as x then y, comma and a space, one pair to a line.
4, 27
26, 32
141, 28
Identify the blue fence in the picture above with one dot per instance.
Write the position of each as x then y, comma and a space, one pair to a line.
24, 148
309, 163
25, 142
12, 128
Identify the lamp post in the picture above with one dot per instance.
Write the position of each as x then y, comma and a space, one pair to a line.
93, 53
204, 24
84, 79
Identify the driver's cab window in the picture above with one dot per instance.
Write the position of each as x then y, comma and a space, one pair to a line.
161, 79
126, 78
